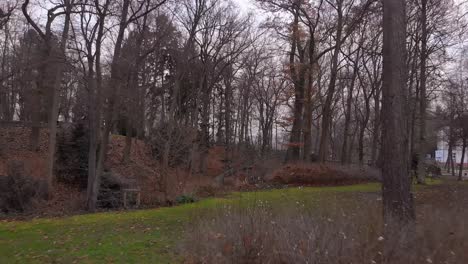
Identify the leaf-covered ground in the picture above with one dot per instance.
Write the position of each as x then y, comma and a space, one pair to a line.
143, 236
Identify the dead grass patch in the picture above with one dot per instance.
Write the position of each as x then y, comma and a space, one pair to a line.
347, 230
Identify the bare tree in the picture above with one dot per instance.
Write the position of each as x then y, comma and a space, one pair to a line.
127, 16
5, 15
396, 187
53, 55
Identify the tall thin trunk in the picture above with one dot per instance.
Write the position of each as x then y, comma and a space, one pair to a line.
349, 101
227, 122
422, 98
396, 188
413, 88
327, 107
352, 141
308, 98
39, 76
171, 124
448, 163
317, 139
376, 128
130, 116
6, 105
92, 115
94, 111
295, 141
163, 98
53, 115
196, 137
361, 144
205, 127
362, 130
111, 110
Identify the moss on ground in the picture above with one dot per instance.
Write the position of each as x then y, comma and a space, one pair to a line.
143, 236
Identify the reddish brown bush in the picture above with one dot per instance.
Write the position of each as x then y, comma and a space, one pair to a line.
320, 174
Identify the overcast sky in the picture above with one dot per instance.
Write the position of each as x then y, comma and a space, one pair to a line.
245, 4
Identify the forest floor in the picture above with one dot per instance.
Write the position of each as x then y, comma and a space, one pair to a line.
154, 236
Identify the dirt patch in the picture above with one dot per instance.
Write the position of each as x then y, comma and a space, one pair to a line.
15, 147
141, 168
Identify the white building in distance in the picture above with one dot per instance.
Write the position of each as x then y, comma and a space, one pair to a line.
441, 153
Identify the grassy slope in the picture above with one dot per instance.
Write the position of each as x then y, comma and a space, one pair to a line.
144, 236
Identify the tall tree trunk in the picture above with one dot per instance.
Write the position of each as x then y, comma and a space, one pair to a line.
227, 122
95, 93
130, 113
94, 110
451, 143
349, 102
295, 141
308, 118
53, 115
171, 124
376, 128
38, 79
205, 127
396, 188
413, 87
93, 127
313, 65
421, 170
449, 162
352, 142
308, 98
7, 106
327, 107
111, 109
362, 129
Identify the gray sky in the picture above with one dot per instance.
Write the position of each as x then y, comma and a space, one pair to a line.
245, 4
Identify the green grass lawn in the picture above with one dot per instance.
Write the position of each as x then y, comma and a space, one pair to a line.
143, 236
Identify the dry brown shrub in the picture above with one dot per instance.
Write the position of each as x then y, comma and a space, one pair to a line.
351, 232
322, 174
18, 190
